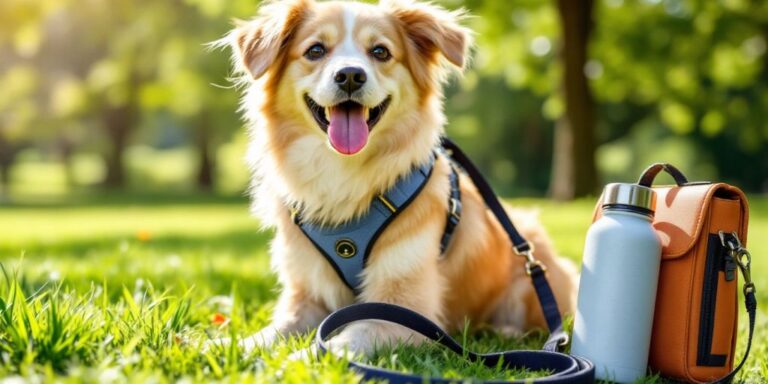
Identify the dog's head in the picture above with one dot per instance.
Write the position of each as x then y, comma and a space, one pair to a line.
349, 71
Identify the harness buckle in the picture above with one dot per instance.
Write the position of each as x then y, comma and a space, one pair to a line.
741, 256
533, 266
531, 263
456, 209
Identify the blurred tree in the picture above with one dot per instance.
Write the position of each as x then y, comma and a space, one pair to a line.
686, 69
112, 65
184, 79
516, 92
18, 112
548, 93
573, 167
21, 102
664, 74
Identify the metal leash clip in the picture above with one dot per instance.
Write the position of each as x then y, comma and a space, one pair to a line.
741, 256
530, 261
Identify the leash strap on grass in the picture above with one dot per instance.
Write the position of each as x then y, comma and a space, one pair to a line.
563, 368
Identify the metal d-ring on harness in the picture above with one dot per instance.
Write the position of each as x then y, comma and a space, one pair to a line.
564, 368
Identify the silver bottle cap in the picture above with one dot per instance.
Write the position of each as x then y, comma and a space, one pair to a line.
629, 195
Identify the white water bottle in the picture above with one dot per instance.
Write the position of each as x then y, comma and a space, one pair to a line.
617, 291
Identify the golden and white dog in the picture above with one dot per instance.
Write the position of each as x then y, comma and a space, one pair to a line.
343, 98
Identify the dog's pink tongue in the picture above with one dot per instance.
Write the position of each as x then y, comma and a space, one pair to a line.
348, 131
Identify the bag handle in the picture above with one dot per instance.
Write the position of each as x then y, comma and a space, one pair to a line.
650, 173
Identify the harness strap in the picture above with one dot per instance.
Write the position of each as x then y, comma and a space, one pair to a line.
454, 211
491, 201
348, 245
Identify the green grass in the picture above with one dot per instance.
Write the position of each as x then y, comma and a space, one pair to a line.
122, 289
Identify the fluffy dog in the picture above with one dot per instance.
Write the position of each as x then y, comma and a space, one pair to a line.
342, 99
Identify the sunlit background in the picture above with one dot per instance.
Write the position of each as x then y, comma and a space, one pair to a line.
122, 94
123, 217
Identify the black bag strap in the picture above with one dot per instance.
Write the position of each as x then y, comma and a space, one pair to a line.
743, 259
565, 368
650, 173
750, 302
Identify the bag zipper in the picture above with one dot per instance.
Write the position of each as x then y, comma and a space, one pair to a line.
717, 260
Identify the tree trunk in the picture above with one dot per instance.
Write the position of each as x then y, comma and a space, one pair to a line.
7, 158
206, 164
118, 124
574, 173
66, 149
5, 180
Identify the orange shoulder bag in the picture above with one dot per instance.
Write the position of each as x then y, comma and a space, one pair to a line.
703, 231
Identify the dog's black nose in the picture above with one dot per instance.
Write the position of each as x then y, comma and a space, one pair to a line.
350, 79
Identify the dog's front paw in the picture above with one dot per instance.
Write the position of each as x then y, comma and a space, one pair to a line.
305, 355
350, 346
362, 339
216, 344
262, 339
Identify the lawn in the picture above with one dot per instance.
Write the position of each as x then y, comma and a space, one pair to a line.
127, 289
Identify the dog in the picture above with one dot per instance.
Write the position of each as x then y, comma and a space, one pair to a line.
342, 99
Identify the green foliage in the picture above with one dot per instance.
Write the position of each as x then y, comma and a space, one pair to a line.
120, 289
686, 76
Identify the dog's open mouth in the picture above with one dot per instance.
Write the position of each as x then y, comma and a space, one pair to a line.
347, 124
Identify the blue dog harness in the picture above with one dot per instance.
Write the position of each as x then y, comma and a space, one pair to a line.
348, 245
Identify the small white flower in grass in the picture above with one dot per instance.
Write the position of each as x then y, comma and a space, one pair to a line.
129, 360
138, 292
54, 276
97, 290
110, 375
13, 380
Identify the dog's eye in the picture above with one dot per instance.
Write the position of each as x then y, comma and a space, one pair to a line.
315, 52
381, 53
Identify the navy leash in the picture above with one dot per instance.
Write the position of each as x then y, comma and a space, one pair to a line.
564, 368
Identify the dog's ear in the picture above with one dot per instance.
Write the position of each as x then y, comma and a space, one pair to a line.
259, 43
431, 32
